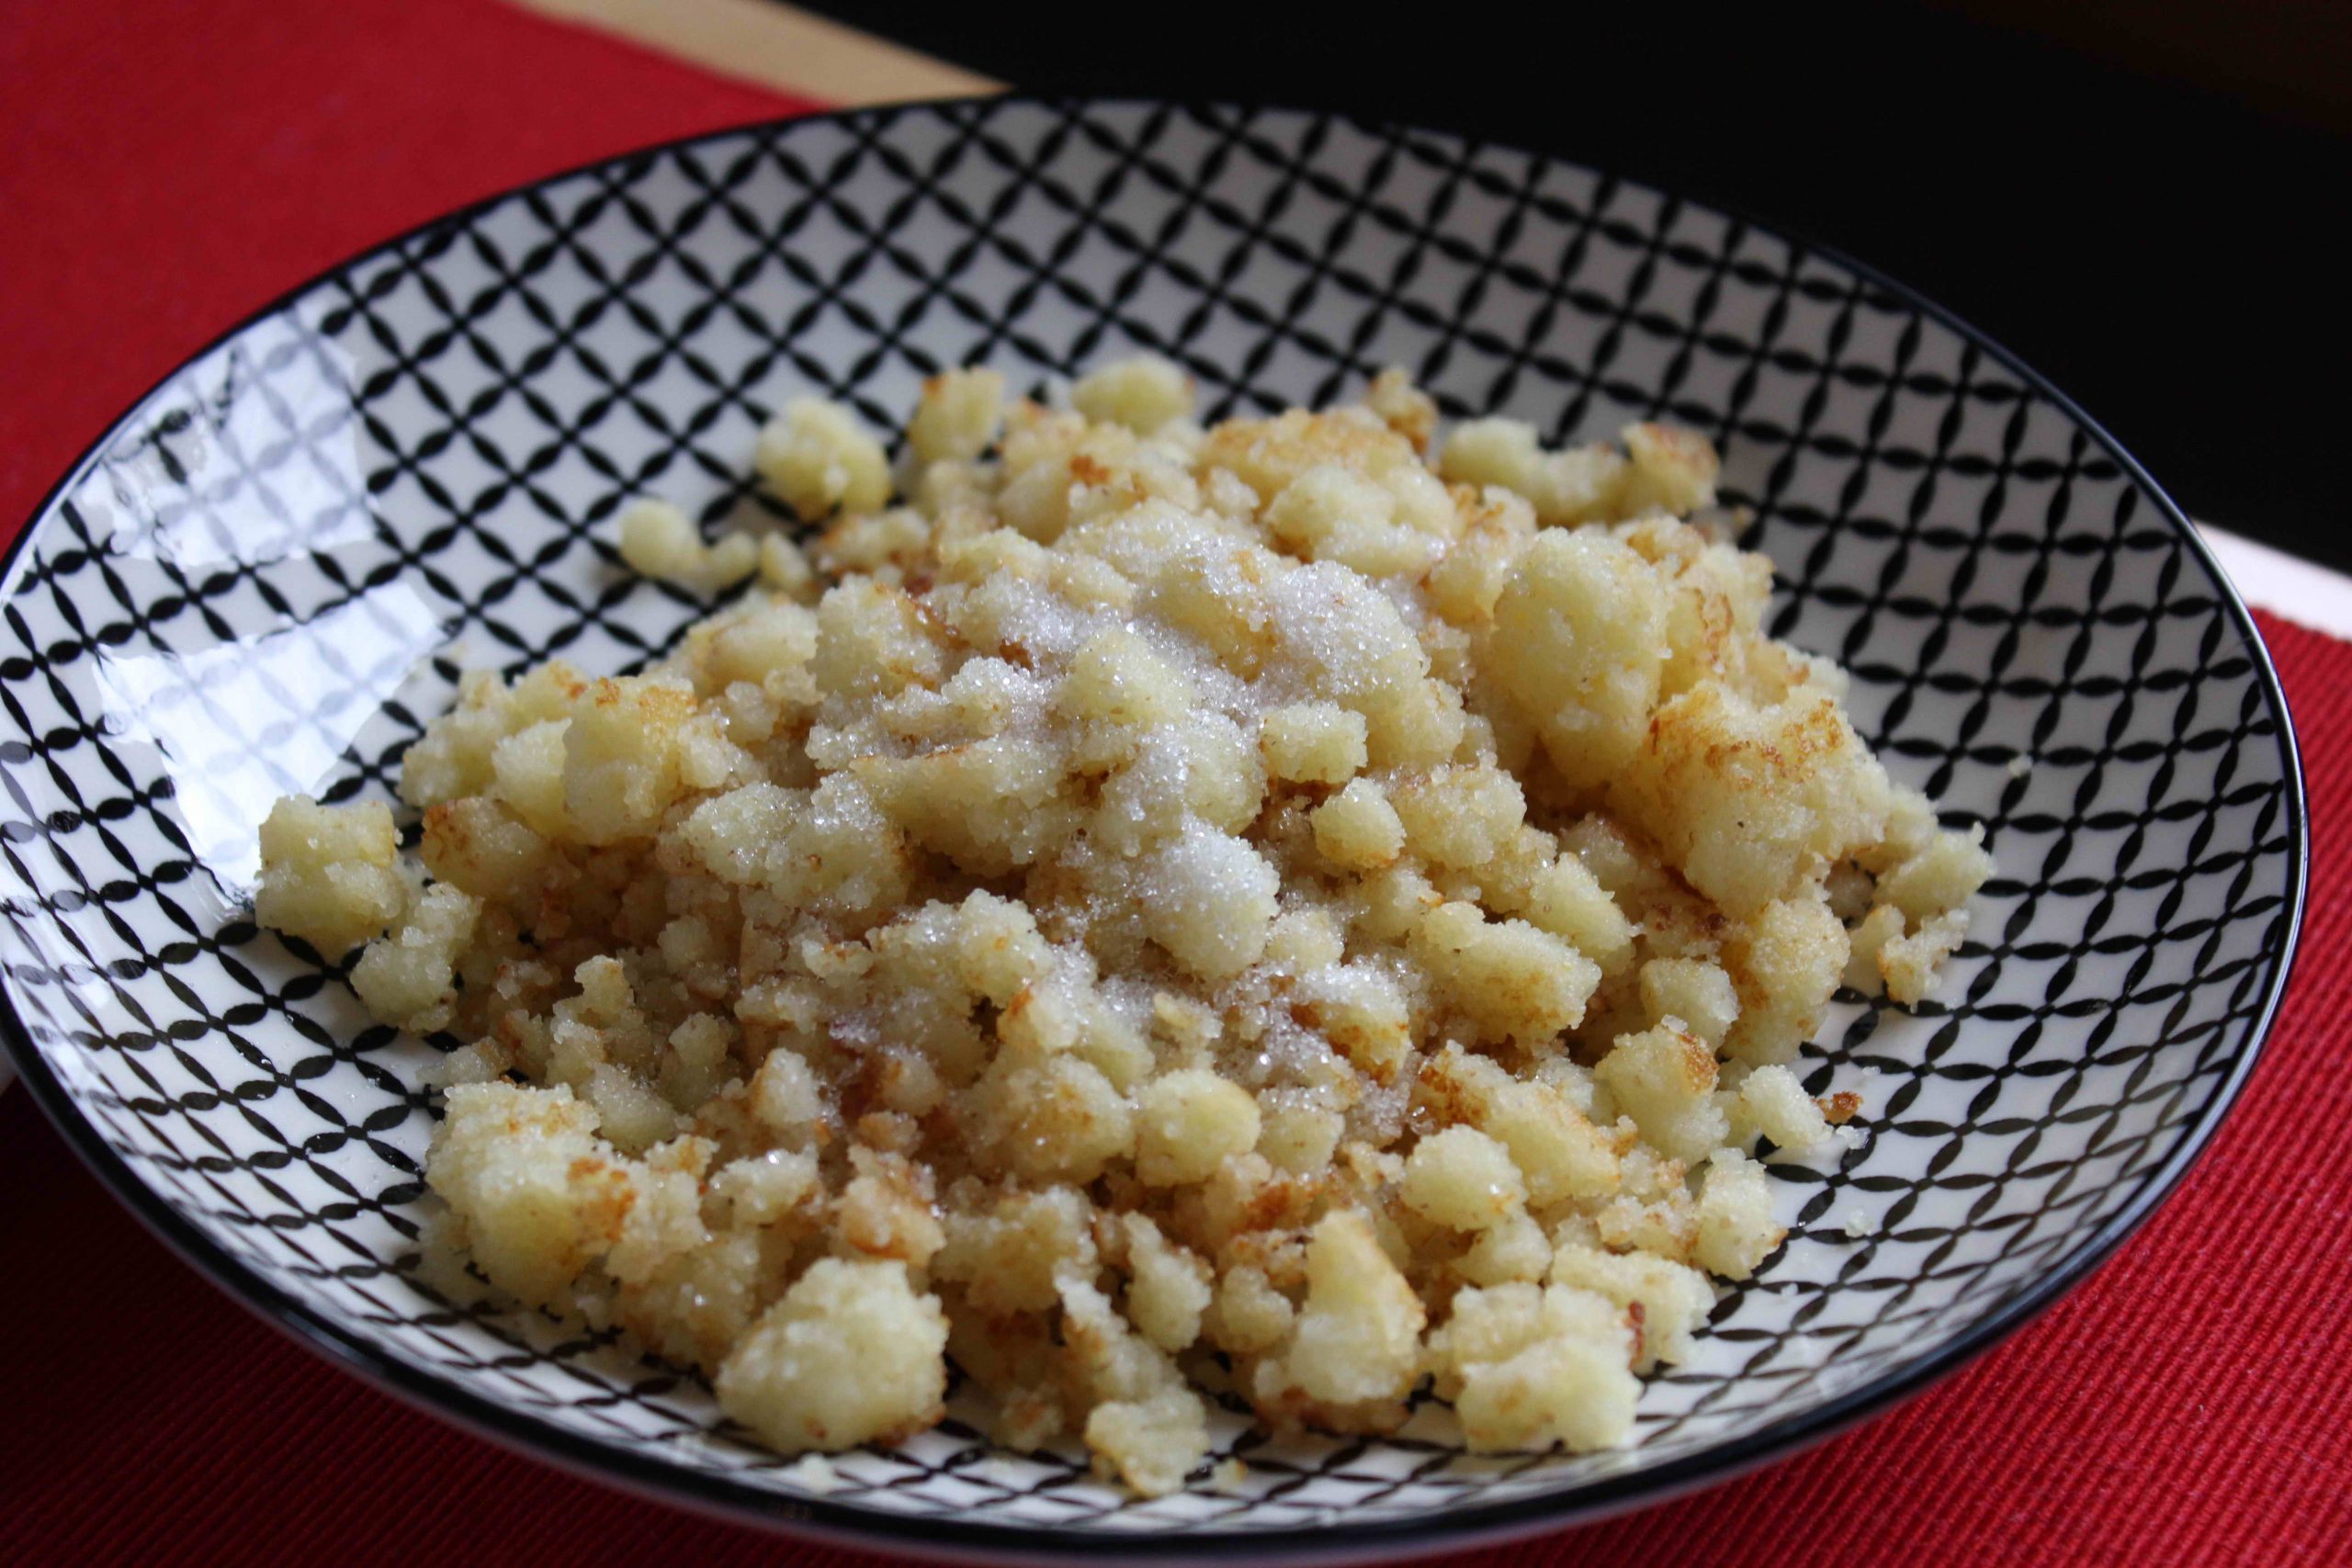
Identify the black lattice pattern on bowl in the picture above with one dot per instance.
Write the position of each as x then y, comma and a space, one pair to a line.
274, 568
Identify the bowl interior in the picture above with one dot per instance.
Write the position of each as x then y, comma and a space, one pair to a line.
271, 571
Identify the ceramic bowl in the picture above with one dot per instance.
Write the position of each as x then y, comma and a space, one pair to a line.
271, 571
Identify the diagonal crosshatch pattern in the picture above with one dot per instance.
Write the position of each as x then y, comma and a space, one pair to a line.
411, 469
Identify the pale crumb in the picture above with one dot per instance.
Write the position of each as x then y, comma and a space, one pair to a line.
1148, 912
816, 1473
660, 541
1858, 1224
2020, 765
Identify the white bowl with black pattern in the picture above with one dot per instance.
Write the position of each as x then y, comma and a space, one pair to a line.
271, 571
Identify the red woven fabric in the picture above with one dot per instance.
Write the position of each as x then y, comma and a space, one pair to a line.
166, 169
167, 166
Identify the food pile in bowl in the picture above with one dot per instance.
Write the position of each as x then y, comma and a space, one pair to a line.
1282, 913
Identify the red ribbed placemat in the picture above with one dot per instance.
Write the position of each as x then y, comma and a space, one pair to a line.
167, 168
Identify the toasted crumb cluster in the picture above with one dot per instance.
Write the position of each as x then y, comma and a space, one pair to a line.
1285, 909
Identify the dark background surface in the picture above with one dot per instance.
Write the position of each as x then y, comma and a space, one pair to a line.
2133, 198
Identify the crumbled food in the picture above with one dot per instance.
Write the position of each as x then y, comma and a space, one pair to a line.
329, 874
819, 459
1772, 1103
1318, 907
410, 977
659, 540
851, 1354
960, 416
1528, 1365
1145, 394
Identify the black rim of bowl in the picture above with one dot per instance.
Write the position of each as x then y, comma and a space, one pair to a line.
971, 1537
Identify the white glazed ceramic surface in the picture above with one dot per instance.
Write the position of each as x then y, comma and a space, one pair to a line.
273, 571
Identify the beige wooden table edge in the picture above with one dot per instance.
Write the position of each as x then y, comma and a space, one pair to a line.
775, 46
